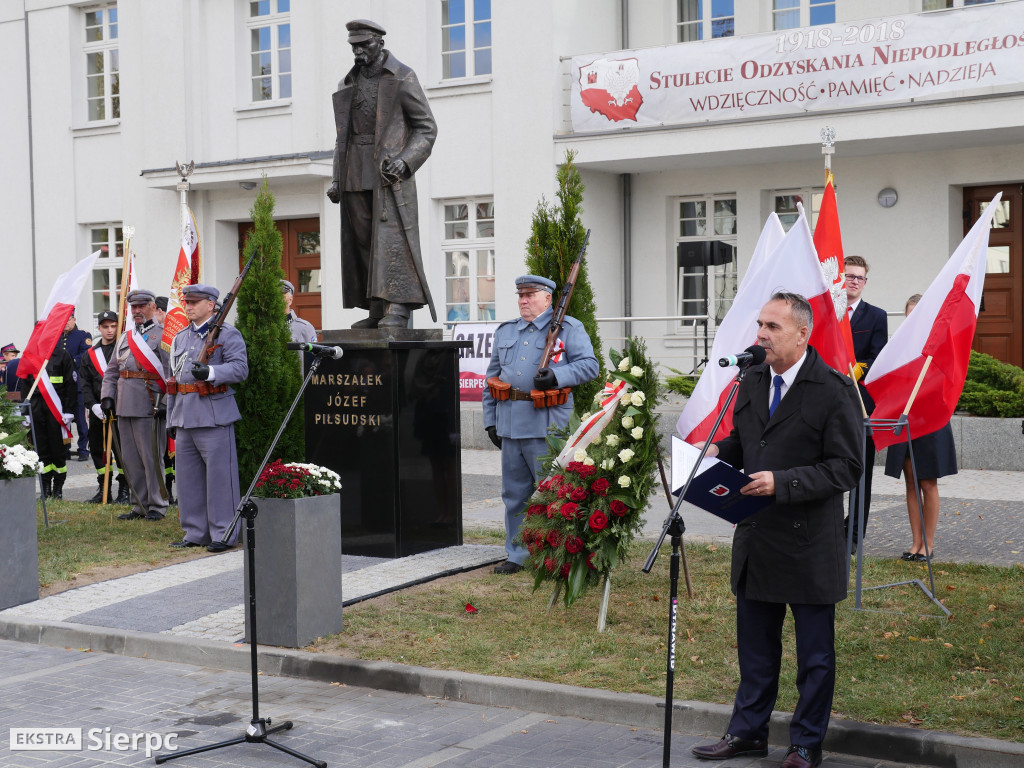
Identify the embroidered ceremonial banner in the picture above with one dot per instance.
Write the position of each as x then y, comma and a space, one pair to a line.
836, 66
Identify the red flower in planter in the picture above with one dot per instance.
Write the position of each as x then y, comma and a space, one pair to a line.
598, 521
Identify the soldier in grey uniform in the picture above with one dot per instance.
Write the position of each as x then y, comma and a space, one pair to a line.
514, 425
135, 395
300, 329
202, 416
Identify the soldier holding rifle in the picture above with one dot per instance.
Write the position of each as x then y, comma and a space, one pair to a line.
528, 372
207, 357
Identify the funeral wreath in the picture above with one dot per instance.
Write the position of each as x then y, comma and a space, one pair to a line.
597, 480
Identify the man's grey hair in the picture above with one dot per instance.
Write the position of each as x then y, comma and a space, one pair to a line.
801, 308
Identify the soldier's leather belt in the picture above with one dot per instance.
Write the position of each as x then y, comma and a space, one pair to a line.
518, 394
362, 138
139, 375
202, 389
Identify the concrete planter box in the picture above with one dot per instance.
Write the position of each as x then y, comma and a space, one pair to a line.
19, 565
298, 570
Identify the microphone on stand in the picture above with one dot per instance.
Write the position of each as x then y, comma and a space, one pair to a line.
752, 355
320, 350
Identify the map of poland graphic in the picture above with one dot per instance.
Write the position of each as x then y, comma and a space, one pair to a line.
609, 87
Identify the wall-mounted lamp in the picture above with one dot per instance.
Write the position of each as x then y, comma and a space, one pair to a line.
249, 186
887, 197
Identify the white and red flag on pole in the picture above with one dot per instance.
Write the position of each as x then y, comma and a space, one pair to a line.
737, 331
188, 271
56, 311
133, 275
935, 339
828, 242
53, 404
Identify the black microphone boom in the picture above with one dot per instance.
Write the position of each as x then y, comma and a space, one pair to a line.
320, 350
752, 355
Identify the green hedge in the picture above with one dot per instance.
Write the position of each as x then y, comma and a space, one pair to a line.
993, 388
681, 383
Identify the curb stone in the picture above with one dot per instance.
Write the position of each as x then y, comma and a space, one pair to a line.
936, 748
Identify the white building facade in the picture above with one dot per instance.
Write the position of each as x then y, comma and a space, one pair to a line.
103, 99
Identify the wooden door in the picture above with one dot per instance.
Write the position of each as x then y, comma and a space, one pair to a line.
999, 323
300, 260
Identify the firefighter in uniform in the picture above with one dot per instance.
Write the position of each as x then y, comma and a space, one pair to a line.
49, 432
133, 390
90, 376
514, 425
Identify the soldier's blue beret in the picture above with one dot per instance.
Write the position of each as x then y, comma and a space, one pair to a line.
531, 283
200, 291
140, 296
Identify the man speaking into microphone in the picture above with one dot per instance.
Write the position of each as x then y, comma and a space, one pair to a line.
797, 434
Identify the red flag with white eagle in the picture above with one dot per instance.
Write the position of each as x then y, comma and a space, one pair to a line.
188, 271
56, 311
934, 339
828, 242
737, 331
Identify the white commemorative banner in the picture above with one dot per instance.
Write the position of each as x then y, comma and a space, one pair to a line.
836, 66
473, 361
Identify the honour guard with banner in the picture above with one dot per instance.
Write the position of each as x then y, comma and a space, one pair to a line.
133, 390
207, 357
516, 421
90, 375
53, 406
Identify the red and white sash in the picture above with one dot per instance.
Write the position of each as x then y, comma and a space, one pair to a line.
557, 350
591, 429
99, 362
53, 403
147, 358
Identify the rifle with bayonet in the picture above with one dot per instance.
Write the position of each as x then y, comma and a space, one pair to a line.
545, 398
210, 343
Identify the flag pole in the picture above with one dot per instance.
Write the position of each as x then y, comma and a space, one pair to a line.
917, 386
121, 304
35, 381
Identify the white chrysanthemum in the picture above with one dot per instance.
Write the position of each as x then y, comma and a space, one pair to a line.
637, 371
637, 398
624, 481
637, 433
624, 364
627, 422
612, 440
626, 454
580, 454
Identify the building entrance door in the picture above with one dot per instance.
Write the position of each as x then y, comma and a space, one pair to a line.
300, 260
999, 323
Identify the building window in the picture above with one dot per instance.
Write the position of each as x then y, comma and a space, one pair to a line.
785, 201
705, 19
705, 261
106, 275
468, 248
102, 65
270, 49
791, 14
465, 38
940, 5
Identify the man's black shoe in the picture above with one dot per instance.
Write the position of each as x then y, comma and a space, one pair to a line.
131, 516
802, 757
154, 516
123, 497
730, 747
218, 546
183, 544
507, 568
83, 456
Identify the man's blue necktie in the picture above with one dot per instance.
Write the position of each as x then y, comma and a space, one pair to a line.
777, 397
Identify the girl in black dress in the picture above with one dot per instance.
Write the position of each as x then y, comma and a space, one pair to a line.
934, 457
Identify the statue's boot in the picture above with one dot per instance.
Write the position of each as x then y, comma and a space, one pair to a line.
397, 316
376, 313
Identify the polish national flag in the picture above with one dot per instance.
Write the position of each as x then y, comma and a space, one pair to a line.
828, 241
133, 275
737, 332
56, 311
186, 272
935, 338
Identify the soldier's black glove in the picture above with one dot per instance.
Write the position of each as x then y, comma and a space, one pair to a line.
107, 404
171, 432
545, 379
161, 411
492, 432
201, 371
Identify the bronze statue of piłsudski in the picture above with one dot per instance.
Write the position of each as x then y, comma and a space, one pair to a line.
385, 133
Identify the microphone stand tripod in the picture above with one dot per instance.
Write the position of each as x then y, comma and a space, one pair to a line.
257, 732
675, 528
